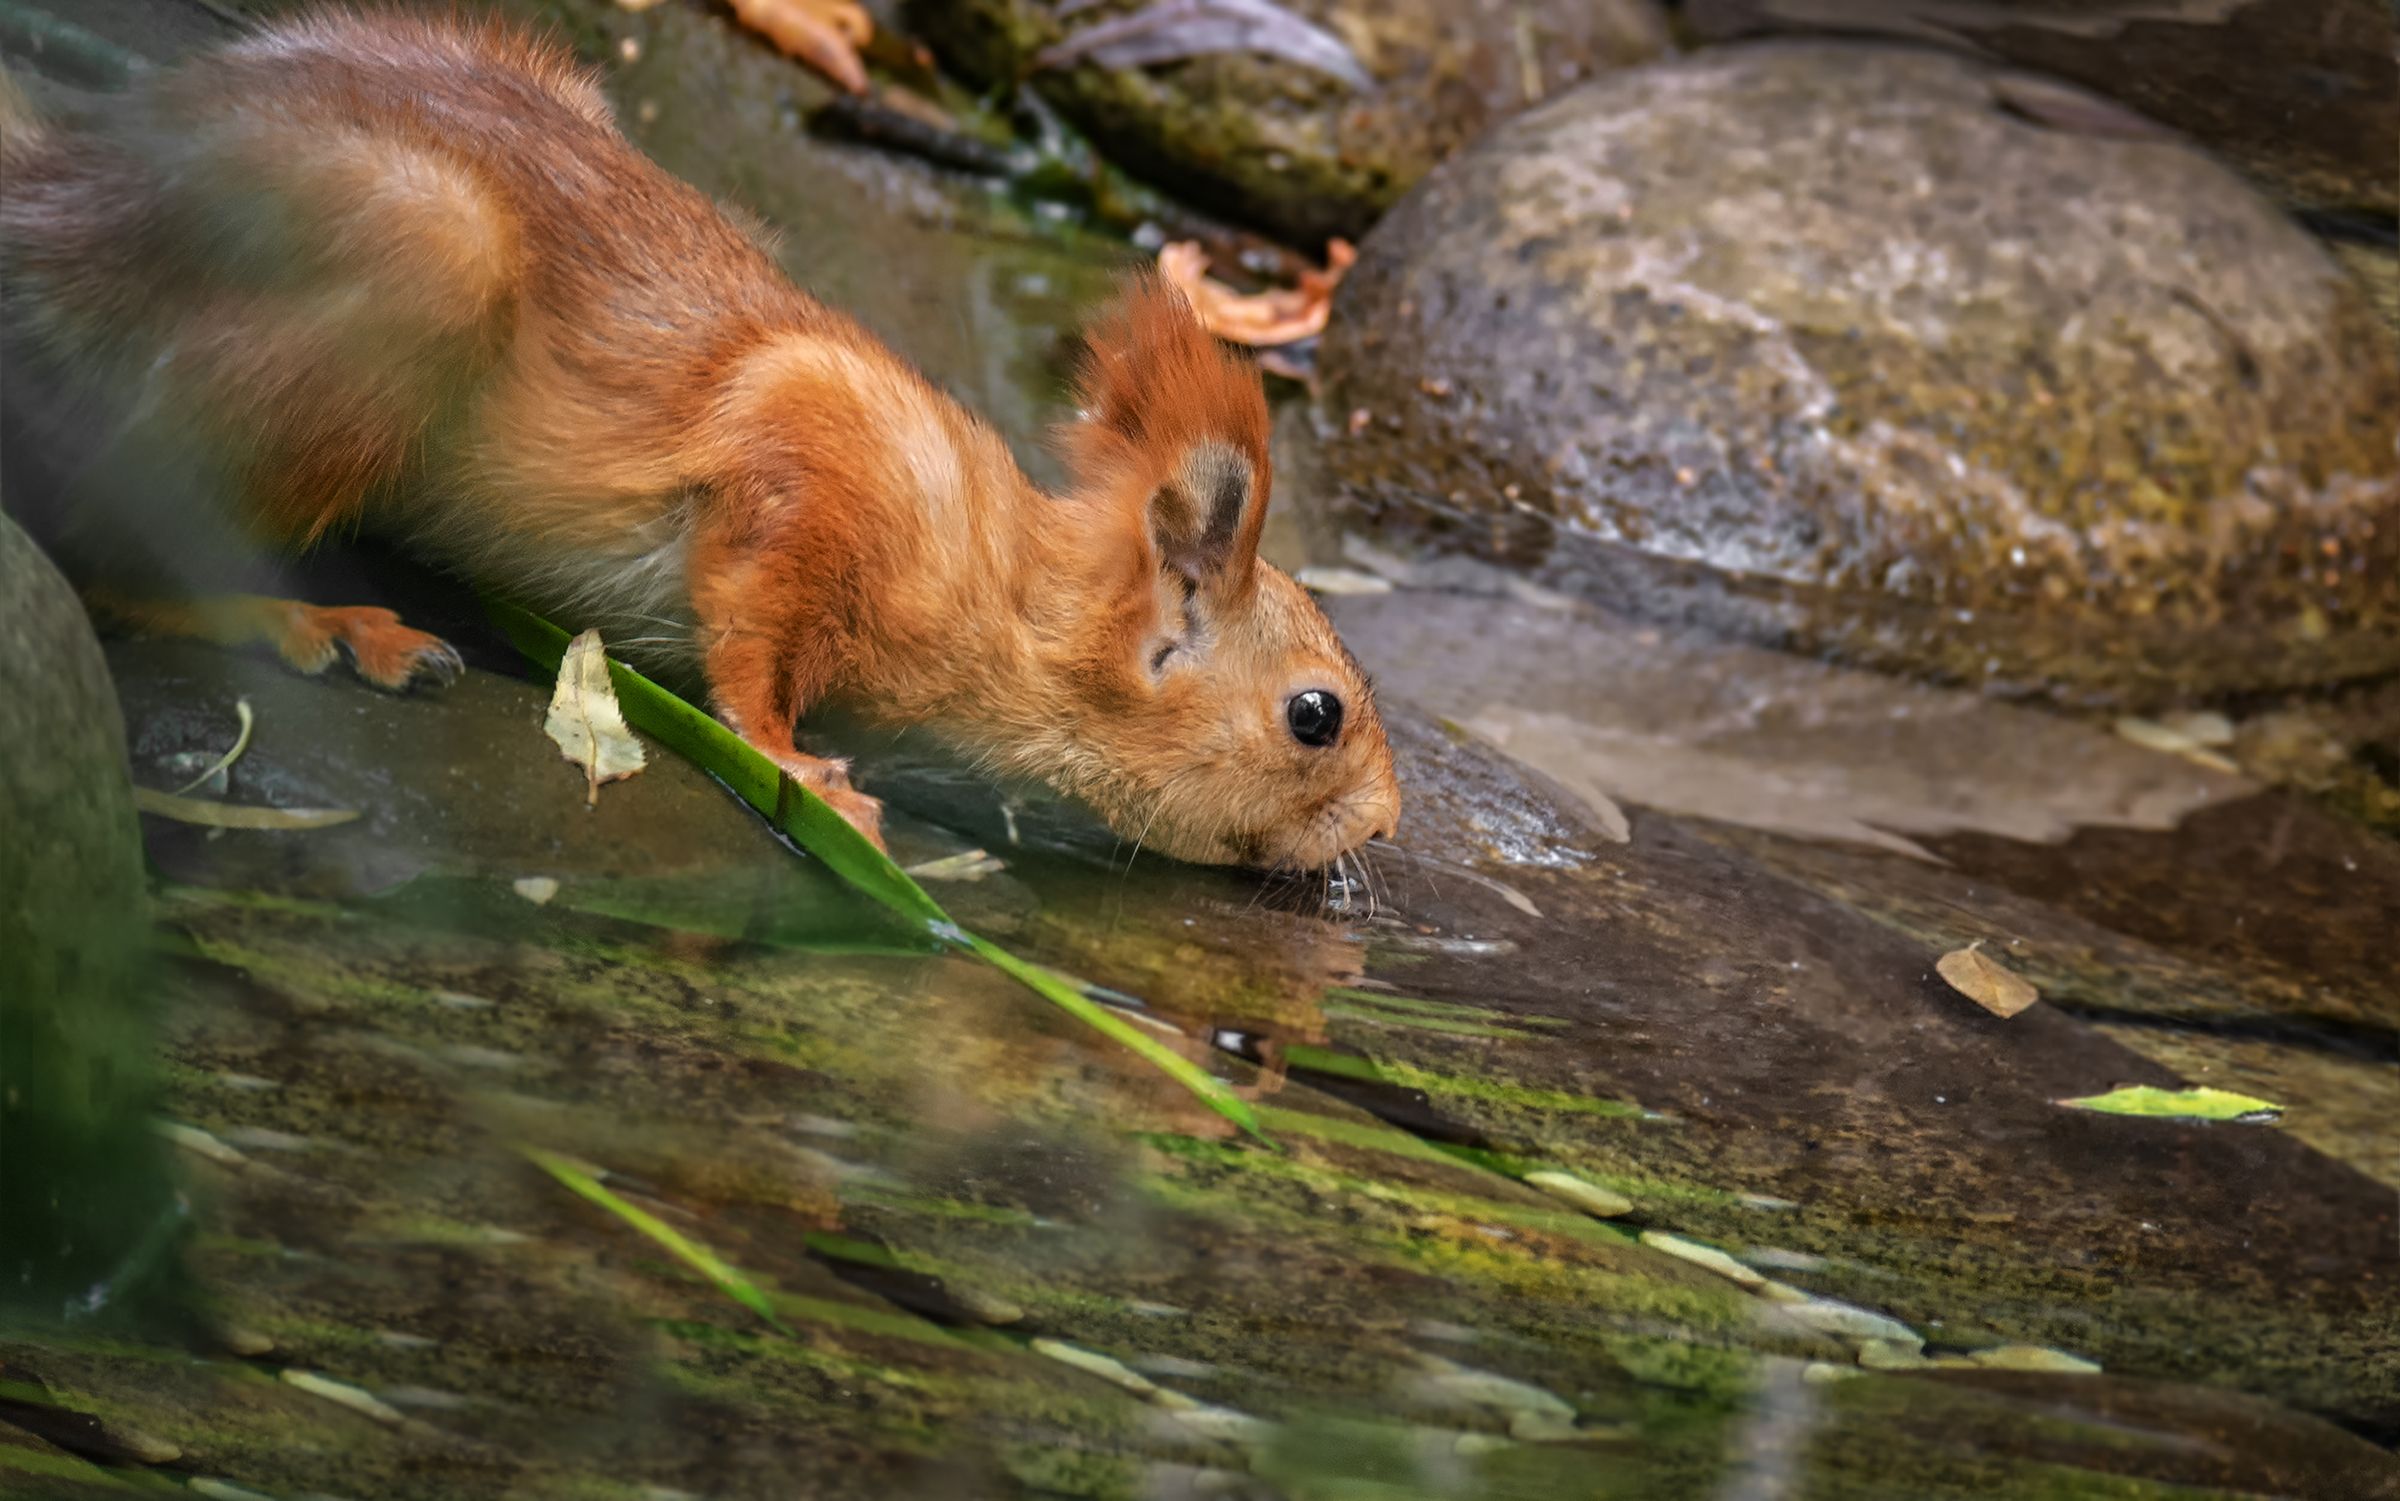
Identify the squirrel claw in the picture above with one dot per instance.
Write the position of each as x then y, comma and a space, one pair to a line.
864, 813
830, 781
392, 656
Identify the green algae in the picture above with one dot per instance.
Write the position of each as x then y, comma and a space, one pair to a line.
1379, 1017
1384, 1000
1382, 1070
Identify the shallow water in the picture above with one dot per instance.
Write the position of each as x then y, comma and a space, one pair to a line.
1661, 985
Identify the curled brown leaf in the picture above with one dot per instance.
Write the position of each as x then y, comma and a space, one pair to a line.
826, 35
1263, 319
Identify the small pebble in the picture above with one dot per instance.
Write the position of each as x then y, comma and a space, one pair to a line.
1542, 1428
2033, 1358
1851, 1322
1703, 1256
1591, 1198
1222, 1424
426, 1397
1528, 1407
983, 1307
1891, 1355
199, 1143
357, 1399
1114, 1372
268, 1139
1785, 1260
1339, 581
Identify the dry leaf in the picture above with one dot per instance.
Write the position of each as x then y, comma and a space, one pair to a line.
585, 720
241, 743
823, 34
1983, 980
967, 865
536, 889
1264, 319
235, 816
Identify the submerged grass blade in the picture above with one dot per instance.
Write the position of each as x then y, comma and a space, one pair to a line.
793, 809
216, 815
2180, 1104
690, 1252
1083, 1008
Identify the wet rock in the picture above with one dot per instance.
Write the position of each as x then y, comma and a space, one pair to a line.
1300, 146
1620, 713
1829, 347
2034, 1358
463, 804
2304, 96
88, 1186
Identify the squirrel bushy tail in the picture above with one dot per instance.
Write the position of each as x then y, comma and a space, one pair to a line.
21, 127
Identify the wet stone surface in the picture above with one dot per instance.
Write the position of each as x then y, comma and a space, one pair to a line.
2227, 75
931, 1171
1826, 346
1621, 1137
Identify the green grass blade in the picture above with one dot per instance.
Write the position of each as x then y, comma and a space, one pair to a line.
701, 739
698, 737
690, 1252
1064, 995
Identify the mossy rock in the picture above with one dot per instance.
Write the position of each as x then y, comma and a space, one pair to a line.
2303, 95
1293, 149
86, 1210
1829, 346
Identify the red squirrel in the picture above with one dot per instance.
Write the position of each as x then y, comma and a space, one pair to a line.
403, 274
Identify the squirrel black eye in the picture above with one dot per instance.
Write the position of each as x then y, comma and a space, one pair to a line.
1315, 717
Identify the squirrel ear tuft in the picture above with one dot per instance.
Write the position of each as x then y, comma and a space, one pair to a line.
1170, 413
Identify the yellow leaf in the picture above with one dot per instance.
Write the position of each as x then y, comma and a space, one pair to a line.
1982, 979
585, 720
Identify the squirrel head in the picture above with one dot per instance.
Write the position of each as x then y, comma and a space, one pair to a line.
1213, 712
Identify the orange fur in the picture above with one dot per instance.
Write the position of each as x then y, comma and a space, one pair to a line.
405, 273
309, 637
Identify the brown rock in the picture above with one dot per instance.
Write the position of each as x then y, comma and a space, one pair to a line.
1826, 345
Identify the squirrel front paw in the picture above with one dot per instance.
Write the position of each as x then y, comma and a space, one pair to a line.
830, 781
864, 813
387, 654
